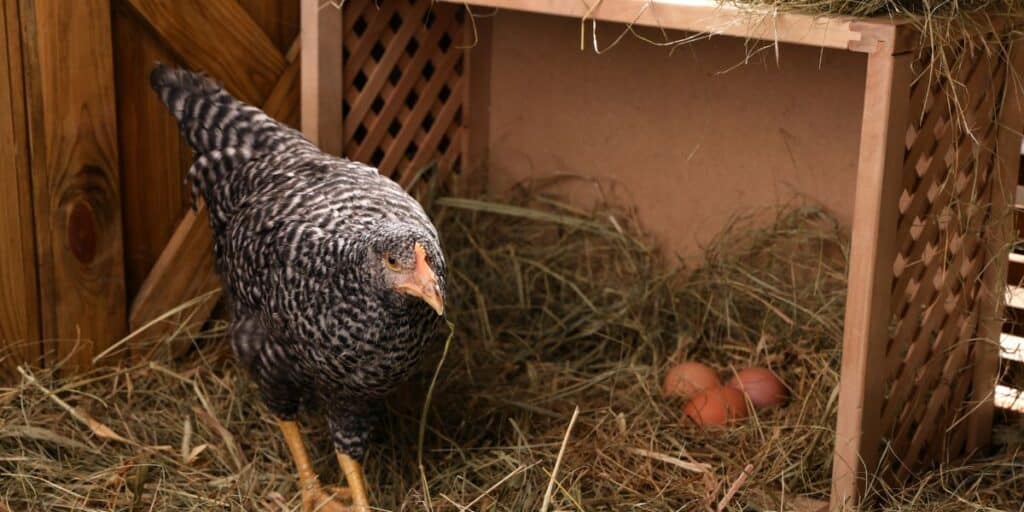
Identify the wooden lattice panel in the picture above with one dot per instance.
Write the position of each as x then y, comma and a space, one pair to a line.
938, 296
405, 86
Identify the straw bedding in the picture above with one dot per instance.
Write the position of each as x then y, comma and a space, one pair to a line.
949, 9
553, 310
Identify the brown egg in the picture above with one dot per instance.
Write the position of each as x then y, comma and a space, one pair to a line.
761, 385
688, 379
716, 407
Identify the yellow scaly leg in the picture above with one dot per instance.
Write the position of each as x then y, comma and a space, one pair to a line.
356, 483
314, 499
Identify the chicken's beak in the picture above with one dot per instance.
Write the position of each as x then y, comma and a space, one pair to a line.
423, 283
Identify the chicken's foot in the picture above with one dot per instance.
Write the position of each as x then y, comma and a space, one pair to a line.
356, 483
314, 498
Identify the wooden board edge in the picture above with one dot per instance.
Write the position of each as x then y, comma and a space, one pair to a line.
703, 17
321, 74
858, 433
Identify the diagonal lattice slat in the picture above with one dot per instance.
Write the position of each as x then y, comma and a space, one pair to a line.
949, 174
405, 86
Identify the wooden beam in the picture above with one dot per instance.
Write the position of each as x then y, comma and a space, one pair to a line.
322, 74
19, 298
191, 247
75, 181
476, 106
702, 16
998, 239
219, 38
872, 253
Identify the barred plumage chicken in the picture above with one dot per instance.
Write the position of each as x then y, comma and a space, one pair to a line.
334, 273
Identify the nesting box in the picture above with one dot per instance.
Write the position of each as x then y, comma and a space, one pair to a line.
841, 110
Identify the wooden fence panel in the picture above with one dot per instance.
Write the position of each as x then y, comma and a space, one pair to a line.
72, 125
153, 157
19, 299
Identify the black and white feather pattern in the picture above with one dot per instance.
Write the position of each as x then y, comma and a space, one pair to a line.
298, 239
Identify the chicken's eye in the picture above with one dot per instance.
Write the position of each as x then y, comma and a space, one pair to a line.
391, 262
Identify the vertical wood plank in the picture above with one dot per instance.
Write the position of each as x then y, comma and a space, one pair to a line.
76, 187
477, 103
321, 81
873, 250
999, 238
19, 300
154, 158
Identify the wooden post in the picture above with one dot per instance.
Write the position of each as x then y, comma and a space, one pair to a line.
75, 181
19, 298
477, 108
999, 238
321, 82
873, 251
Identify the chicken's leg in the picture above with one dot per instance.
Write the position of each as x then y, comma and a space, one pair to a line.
356, 483
313, 496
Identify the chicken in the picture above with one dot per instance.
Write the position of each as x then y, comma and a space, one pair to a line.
334, 274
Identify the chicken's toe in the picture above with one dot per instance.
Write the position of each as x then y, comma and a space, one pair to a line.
318, 499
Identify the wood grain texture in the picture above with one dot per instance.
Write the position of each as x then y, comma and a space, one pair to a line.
279, 19
76, 187
219, 38
873, 249
154, 158
19, 299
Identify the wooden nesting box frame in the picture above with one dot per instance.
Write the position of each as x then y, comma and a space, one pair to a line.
924, 304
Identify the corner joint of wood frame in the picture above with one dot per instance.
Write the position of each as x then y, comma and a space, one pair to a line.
883, 36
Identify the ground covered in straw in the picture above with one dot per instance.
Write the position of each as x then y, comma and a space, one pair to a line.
553, 310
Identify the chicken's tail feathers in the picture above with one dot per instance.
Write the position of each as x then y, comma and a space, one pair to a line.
210, 118
225, 133
174, 85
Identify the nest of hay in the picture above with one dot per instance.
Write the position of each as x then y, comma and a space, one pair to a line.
565, 323
948, 9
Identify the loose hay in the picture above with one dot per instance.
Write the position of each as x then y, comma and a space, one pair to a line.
553, 310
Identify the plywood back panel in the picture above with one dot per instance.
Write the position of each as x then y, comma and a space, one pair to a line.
153, 157
691, 137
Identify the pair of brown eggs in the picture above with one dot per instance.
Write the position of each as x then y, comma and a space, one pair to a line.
712, 404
